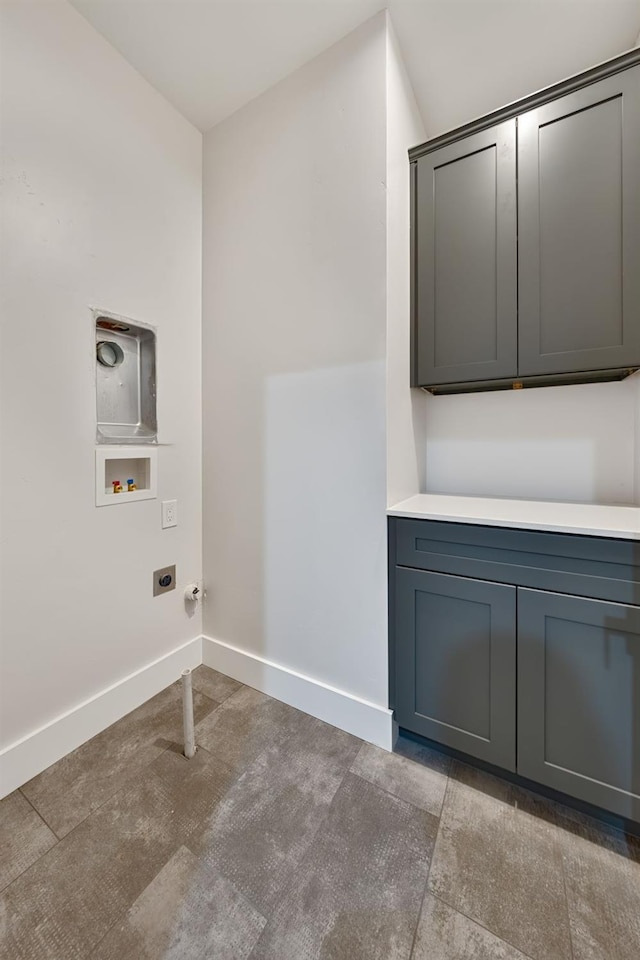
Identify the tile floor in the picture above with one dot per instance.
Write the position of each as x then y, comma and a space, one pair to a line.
287, 839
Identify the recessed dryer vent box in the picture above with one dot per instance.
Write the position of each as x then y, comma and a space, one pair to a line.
125, 380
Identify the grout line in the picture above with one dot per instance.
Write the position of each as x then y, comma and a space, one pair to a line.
130, 779
8, 886
224, 699
431, 859
121, 916
123, 786
295, 867
129, 782
44, 852
47, 825
435, 842
390, 793
462, 913
566, 901
436, 896
419, 917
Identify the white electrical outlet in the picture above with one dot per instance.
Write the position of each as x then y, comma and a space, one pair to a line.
169, 513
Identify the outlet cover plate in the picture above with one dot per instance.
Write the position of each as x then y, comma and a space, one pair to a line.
164, 580
169, 513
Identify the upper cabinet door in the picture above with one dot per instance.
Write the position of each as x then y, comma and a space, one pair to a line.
464, 260
579, 230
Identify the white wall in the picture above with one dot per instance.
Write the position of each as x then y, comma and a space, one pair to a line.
102, 207
579, 442
294, 330
406, 408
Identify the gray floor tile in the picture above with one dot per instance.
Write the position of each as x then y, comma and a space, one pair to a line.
188, 857
419, 775
187, 912
263, 827
213, 684
79, 783
501, 866
245, 725
602, 879
445, 934
24, 837
357, 894
195, 787
602, 875
63, 905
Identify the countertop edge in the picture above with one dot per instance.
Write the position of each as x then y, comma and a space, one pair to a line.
607, 532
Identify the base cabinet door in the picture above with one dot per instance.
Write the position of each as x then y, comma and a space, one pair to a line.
456, 662
579, 698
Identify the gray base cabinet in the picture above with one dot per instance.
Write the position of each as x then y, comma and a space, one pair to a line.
457, 663
521, 649
579, 698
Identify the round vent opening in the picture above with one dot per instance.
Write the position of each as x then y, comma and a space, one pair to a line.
109, 353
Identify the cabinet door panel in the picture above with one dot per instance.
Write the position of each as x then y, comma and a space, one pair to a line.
465, 260
579, 698
579, 230
455, 662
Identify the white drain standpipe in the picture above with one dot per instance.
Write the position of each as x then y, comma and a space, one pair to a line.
187, 715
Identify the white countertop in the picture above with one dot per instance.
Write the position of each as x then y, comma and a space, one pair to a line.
588, 519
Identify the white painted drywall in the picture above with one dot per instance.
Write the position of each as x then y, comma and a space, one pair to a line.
635, 383
406, 408
468, 57
557, 443
211, 57
102, 207
294, 331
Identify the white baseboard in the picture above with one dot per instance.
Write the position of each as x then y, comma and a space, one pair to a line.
341, 709
21, 761
32, 754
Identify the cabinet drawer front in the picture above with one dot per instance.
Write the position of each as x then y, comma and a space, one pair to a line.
579, 698
579, 230
464, 260
455, 663
585, 566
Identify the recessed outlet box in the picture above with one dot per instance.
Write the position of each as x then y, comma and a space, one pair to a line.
164, 580
125, 358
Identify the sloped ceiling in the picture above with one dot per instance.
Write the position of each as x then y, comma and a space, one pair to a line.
464, 57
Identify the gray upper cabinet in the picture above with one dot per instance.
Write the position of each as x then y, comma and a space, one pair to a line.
525, 252
456, 662
579, 230
579, 698
465, 260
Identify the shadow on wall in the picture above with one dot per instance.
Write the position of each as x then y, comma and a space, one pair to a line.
324, 555
577, 443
